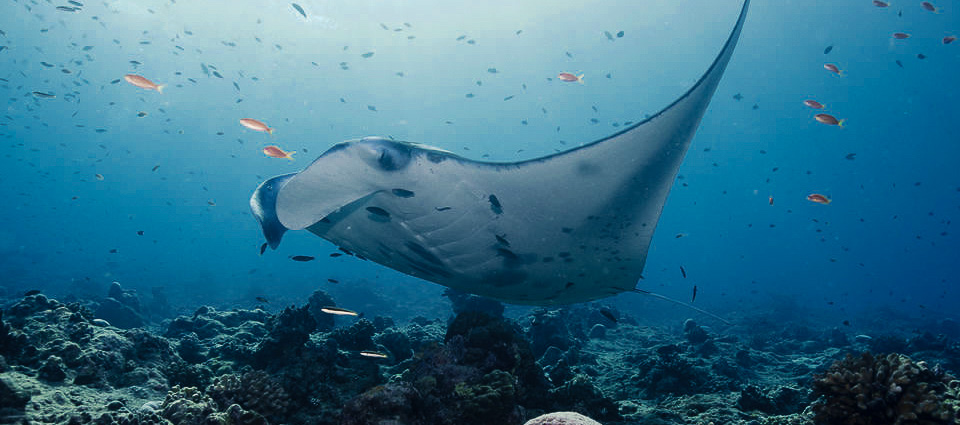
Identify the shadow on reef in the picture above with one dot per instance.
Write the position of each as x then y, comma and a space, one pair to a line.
61, 363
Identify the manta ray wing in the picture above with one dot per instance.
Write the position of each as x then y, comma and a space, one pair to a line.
569, 227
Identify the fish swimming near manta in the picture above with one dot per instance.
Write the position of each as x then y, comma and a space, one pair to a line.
579, 222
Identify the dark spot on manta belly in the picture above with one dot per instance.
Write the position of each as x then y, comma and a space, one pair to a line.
378, 211
442, 208
378, 214
495, 205
403, 193
435, 158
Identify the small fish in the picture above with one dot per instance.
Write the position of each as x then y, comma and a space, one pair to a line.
608, 35
139, 232
335, 254
606, 313
929, 7
828, 49
683, 272
569, 77
211, 203
372, 108
263, 300
828, 119
67, 9
679, 235
738, 96
43, 95
263, 248
949, 39
694, 297
331, 280
813, 104
75, 3
508, 98
901, 35
770, 201
276, 152
879, 3
31, 292
255, 125
851, 156
832, 68
818, 198
217, 74
373, 354
619, 34
900, 64
299, 9
141, 114
301, 258
155, 168
921, 56
367, 55
143, 83
337, 311
98, 176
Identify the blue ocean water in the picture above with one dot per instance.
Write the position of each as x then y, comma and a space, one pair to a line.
443, 73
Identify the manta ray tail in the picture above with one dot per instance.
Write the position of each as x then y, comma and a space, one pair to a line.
666, 298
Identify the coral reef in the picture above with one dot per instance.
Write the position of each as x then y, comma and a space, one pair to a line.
60, 363
885, 389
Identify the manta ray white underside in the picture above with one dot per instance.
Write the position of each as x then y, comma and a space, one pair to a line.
565, 228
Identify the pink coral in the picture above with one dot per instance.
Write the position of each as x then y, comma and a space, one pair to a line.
562, 418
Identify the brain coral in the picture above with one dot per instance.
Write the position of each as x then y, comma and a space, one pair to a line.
889, 389
562, 418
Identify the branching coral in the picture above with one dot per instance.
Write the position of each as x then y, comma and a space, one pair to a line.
889, 389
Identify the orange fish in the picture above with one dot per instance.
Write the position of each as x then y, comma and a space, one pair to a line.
948, 39
143, 83
255, 125
771, 200
901, 35
832, 68
929, 7
813, 104
879, 3
818, 198
568, 77
829, 119
276, 152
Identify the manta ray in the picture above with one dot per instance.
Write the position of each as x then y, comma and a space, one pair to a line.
565, 228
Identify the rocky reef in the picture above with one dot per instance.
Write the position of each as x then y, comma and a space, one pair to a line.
64, 363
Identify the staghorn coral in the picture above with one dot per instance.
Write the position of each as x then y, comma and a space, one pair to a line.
253, 390
889, 389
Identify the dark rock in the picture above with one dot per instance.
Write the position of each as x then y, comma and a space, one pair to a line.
52, 370
463, 302
114, 405
12, 395
694, 333
395, 402
118, 314
753, 398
